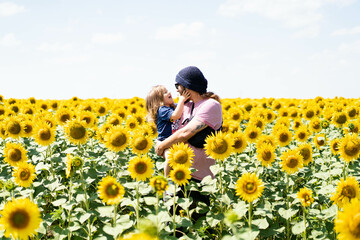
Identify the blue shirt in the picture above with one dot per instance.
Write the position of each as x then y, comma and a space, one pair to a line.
163, 124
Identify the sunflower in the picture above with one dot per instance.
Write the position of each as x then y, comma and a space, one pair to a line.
68, 164
116, 138
180, 175
20, 218
240, 142
305, 197
302, 134
219, 145
14, 127
63, 115
266, 139
269, 115
305, 150
258, 122
24, 174
180, 153
309, 113
347, 222
131, 123
320, 140
101, 109
335, 146
252, 133
159, 184
44, 134
137, 236
339, 118
349, 148
110, 191
141, 168
291, 161
352, 127
266, 154
89, 118
76, 131
14, 153
346, 191
28, 128
324, 124
140, 144
297, 123
315, 124
283, 136
249, 187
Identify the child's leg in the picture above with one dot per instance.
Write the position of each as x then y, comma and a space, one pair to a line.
167, 167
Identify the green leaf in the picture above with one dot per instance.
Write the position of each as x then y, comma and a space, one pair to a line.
298, 228
59, 202
261, 223
106, 211
240, 209
287, 213
84, 217
150, 201
184, 203
330, 212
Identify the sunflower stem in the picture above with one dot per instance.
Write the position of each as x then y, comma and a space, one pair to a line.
250, 214
344, 170
222, 193
137, 204
287, 207
304, 216
174, 210
157, 213
114, 219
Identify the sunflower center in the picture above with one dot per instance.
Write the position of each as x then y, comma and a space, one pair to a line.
316, 125
77, 131
292, 162
284, 137
297, 124
266, 156
236, 116
24, 174
180, 157
352, 148
301, 135
320, 141
87, 119
132, 125
352, 113
220, 146
28, 128
250, 187
179, 175
238, 143
354, 225
305, 153
306, 197
101, 110
341, 119
140, 168
19, 219
115, 122
336, 146
253, 135
118, 140
65, 117
112, 190
140, 143
14, 128
259, 124
310, 114
44, 134
348, 191
15, 154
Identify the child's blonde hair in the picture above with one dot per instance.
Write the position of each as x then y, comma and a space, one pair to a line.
154, 100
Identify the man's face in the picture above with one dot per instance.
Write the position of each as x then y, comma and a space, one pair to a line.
179, 88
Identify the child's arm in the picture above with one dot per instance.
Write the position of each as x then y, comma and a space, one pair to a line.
180, 106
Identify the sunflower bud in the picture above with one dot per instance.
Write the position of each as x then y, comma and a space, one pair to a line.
10, 185
351, 126
324, 124
77, 162
231, 217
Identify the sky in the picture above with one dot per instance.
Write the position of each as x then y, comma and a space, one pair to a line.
121, 49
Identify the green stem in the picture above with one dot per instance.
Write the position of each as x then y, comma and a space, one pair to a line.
344, 170
222, 193
304, 216
114, 220
174, 211
157, 213
137, 204
287, 207
250, 214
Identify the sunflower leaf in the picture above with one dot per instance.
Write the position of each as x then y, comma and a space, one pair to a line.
287, 213
298, 228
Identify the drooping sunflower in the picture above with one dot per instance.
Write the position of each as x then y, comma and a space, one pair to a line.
283, 136
76, 131
14, 127
88, 118
346, 191
305, 150
266, 154
117, 138
252, 133
305, 196
141, 167
140, 143
320, 140
43, 134
219, 145
14, 153
180, 175
110, 191
347, 221
159, 184
20, 218
24, 174
349, 148
240, 142
249, 187
335, 146
291, 161
302, 134
180, 153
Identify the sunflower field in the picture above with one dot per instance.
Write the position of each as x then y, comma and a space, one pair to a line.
87, 169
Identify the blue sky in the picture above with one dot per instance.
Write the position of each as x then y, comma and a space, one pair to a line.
120, 49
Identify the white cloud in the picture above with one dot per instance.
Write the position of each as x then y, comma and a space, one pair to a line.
54, 47
346, 31
8, 9
181, 31
9, 40
72, 59
107, 38
134, 19
291, 13
350, 48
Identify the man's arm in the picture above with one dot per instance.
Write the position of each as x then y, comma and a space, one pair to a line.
181, 135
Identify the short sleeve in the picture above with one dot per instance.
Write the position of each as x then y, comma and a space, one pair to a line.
210, 113
164, 113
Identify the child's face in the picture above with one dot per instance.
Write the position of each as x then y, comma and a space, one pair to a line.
168, 100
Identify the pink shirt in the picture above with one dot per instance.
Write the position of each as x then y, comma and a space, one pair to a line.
208, 111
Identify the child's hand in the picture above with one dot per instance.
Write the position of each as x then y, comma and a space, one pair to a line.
185, 95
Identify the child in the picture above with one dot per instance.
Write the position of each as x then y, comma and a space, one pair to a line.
162, 110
